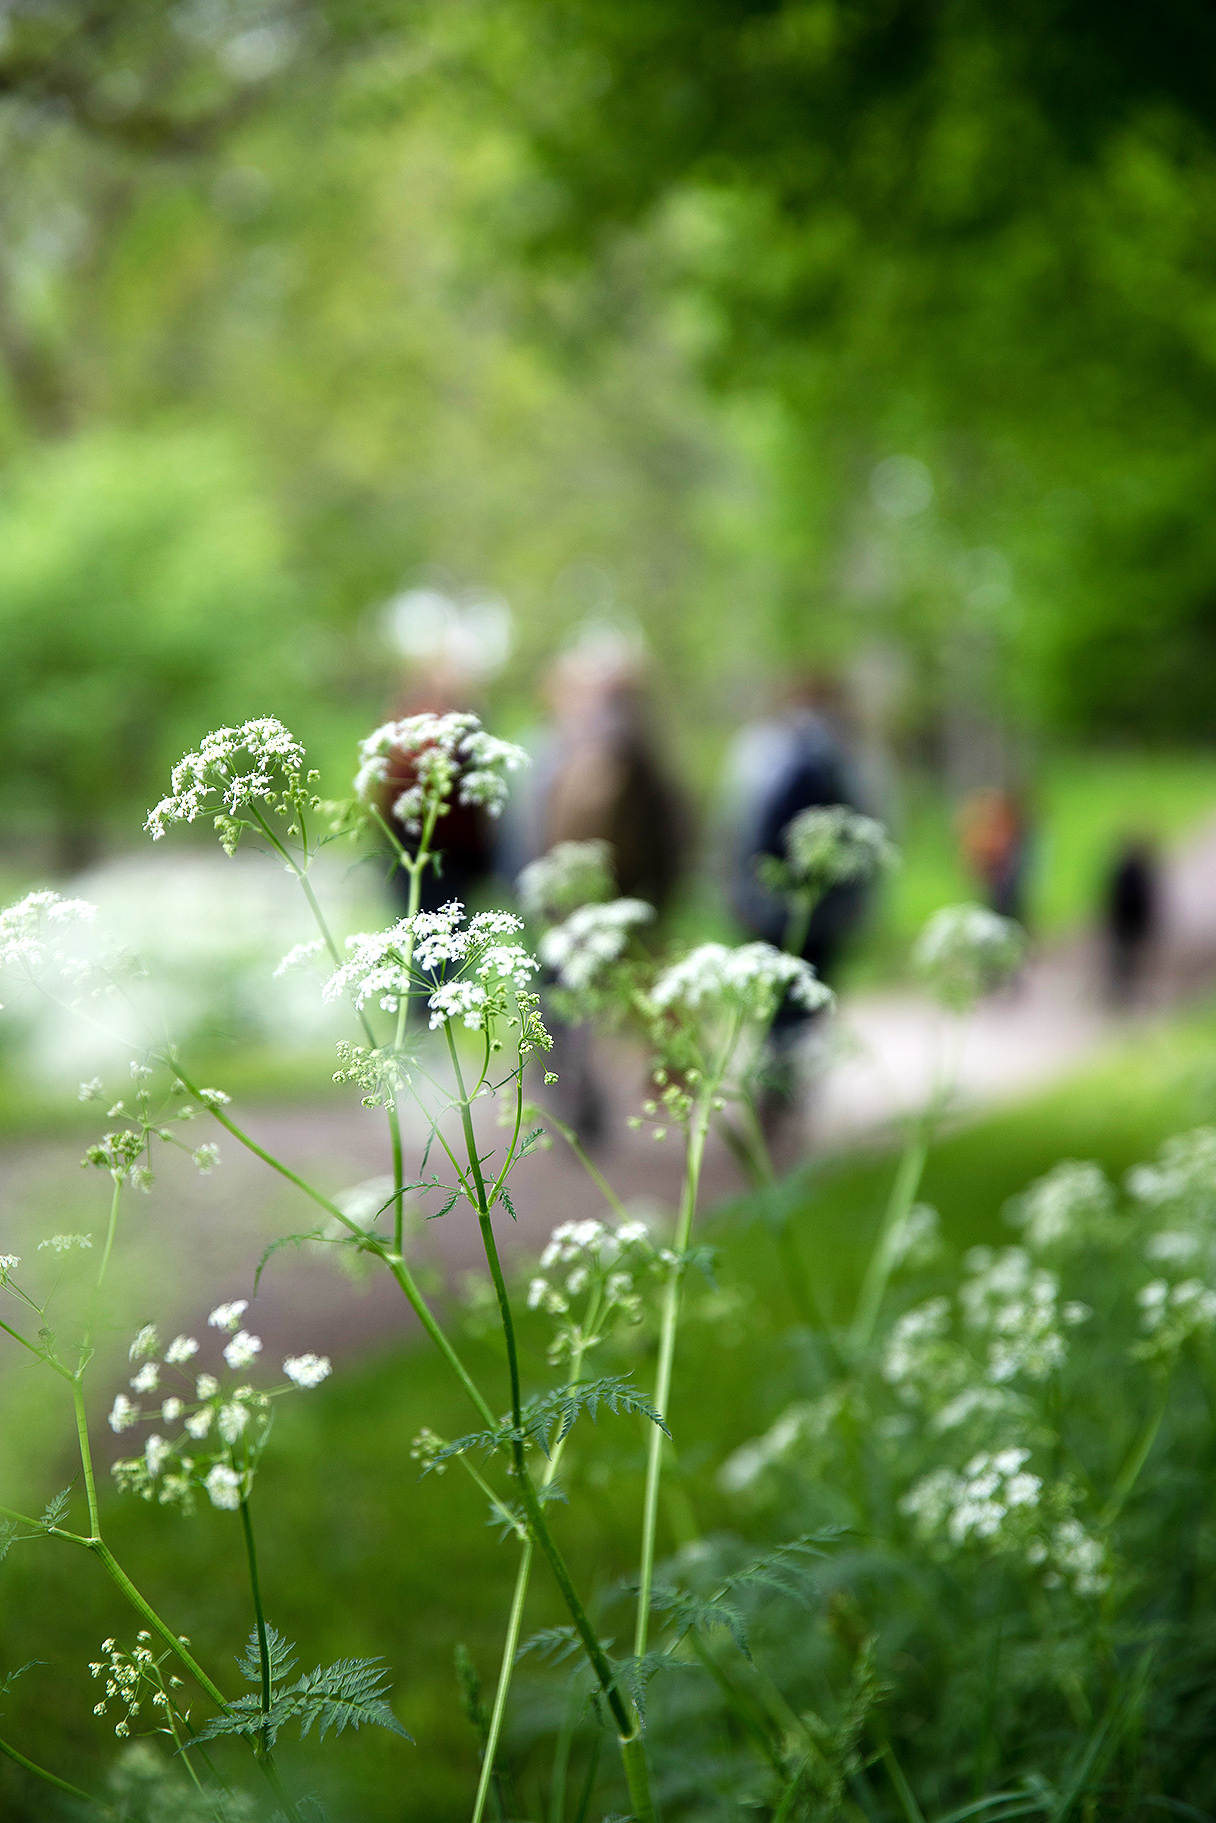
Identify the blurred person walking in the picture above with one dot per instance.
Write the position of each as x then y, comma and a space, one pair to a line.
600, 775
1131, 911
795, 760
994, 834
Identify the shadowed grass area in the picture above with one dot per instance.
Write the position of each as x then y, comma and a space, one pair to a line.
360, 1557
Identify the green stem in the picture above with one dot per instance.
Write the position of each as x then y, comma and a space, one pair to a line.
259, 1613
393, 1261
697, 1130
1129, 1473
111, 1230
593, 1172
630, 1739
510, 1643
40, 1772
785, 1809
116, 1572
882, 1259
86, 1456
262, 1752
515, 1620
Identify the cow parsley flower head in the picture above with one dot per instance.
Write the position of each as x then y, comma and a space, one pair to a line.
831, 845
442, 756
1184, 1174
234, 769
9, 1262
227, 1316
1171, 1314
180, 1350
1064, 1208
33, 933
1016, 1305
571, 875
66, 1243
144, 1344
591, 938
752, 979
465, 969
307, 1371
243, 1350
965, 951
225, 1487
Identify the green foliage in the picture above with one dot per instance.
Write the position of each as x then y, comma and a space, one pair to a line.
548, 1418
348, 1694
141, 591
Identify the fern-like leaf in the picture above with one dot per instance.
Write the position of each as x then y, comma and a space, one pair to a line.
345, 1695
284, 1240
56, 1509
279, 1651
8, 1533
505, 1199
246, 1717
562, 1408
556, 1644
21, 1670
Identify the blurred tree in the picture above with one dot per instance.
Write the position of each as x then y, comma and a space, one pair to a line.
141, 594
977, 234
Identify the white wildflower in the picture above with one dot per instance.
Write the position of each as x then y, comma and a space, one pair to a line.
441, 753
147, 1379
91, 1091
753, 978
1063, 1208
30, 935
214, 773
180, 1350
123, 1414
831, 845
1185, 1172
1017, 1304
1172, 1247
231, 1421
171, 1410
64, 1243
297, 955
199, 1423
242, 1350
307, 1370
156, 1453
9, 1262
570, 875
966, 950
591, 938
224, 1486
227, 1316
1171, 1314
144, 1343
207, 1386
214, 1098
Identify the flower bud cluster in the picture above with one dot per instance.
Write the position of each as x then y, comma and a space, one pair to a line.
467, 971
224, 1424
998, 1503
273, 774
592, 938
751, 979
829, 845
965, 951
445, 754
131, 1678
571, 875
1072, 1205
589, 1280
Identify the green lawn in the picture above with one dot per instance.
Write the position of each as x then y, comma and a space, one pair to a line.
360, 1557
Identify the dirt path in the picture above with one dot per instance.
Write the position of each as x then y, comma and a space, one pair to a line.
196, 1240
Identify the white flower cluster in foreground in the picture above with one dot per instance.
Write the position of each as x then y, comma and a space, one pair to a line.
224, 1425
997, 1502
32, 934
751, 979
1016, 1305
965, 951
464, 969
1063, 1210
238, 767
571, 874
600, 1265
831, 845
442, 752
1171, 1314
592, 937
